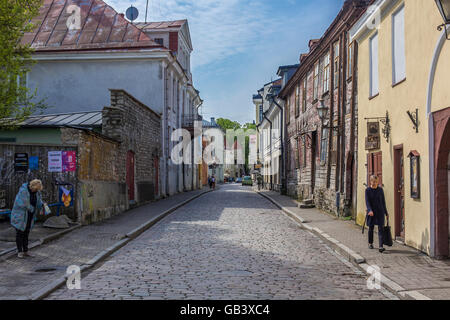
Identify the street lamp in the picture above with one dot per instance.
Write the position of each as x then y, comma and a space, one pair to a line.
444, 9
323, 111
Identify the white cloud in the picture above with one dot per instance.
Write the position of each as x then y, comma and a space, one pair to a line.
219, 28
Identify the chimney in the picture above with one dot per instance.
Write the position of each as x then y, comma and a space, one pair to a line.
122, 15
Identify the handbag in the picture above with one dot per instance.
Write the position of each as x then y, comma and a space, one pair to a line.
387, 235
47, 210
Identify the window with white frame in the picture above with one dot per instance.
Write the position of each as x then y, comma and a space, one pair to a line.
398, 46
326, 73
316, 82
374, 89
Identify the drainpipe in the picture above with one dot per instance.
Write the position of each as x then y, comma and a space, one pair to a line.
271, 125
283, 177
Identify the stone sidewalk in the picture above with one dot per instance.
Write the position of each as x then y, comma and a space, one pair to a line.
410, 272
21, 278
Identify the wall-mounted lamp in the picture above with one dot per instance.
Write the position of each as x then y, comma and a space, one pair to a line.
323, 113
444, 9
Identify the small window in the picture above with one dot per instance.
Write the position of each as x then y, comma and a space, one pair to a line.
336, 65
159, 41
304, 95
326, 73
288, 110
350, 61
398, 46
297, 100
324, 145
374, 90
316, 82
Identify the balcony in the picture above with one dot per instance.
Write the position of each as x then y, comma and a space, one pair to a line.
189, 119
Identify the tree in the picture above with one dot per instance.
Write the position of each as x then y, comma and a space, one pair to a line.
227, 124
17, 102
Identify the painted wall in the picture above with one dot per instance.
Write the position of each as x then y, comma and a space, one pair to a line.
73, 86
421, 36
33, 135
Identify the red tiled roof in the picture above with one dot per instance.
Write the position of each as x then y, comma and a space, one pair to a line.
102, 28
161, 25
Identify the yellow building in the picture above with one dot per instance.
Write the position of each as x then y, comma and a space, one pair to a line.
404, 73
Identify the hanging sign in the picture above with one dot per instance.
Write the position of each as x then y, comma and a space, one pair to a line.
69, 161
54, 161
21, 162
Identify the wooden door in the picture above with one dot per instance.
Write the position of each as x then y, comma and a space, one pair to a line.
313, 162
399, 192
130, 175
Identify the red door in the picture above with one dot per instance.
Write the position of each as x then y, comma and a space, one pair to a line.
130, 175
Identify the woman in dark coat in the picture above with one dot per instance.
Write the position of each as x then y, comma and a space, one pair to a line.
376, 210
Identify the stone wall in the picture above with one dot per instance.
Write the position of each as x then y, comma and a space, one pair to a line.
138, 129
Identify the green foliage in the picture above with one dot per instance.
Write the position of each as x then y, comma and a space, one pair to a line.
16, 100
227, 124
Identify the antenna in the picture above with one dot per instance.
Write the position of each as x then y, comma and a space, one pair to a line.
146, 10
132, 13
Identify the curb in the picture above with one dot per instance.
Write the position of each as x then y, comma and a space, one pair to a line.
53, 286
41, 241
349, 254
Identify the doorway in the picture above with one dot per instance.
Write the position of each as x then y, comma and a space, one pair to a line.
399, 192
313, 162
448, 197
130, 175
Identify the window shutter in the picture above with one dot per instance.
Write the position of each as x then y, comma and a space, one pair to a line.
369, 166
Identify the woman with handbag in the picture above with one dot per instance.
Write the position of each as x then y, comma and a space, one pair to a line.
26, 206
376, 210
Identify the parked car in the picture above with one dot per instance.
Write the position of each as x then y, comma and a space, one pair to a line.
247, 181
238, 180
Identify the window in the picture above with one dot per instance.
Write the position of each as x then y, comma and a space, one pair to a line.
316, 82
326, 73
160, 41
336, 64
297, 100
304, 94
398, 46
297, 154
374, 65
304, 152
350, 61
324, 145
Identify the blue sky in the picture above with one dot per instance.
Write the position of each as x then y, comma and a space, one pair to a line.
239, 44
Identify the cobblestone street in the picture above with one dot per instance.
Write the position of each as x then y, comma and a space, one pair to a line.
229, 244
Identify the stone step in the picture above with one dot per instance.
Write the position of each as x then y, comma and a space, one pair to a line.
307, 204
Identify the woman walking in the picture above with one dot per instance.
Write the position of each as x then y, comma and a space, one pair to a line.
376, 210
26, 206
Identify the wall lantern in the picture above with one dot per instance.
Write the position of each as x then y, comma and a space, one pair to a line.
444, 9
323, 113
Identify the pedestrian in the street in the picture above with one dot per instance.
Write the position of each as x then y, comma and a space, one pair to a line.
259, 178
26, 206
210, 182
376, 210
213, 181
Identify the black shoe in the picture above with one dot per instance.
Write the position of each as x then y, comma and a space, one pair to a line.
382, 250
370, 246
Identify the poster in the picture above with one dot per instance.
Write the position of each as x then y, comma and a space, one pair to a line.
21, 162
54, 161
69, 161
34, 163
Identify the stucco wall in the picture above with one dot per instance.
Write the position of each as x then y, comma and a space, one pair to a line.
72, 86
421, 20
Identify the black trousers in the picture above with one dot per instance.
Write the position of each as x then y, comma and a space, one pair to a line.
380, 235
22, 236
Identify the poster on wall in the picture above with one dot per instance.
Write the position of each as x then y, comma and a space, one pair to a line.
34, 163
69, 161
54, 161
21, 162
415, 174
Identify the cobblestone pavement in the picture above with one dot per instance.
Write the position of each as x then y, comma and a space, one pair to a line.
411, 269
229, 244
19, 278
